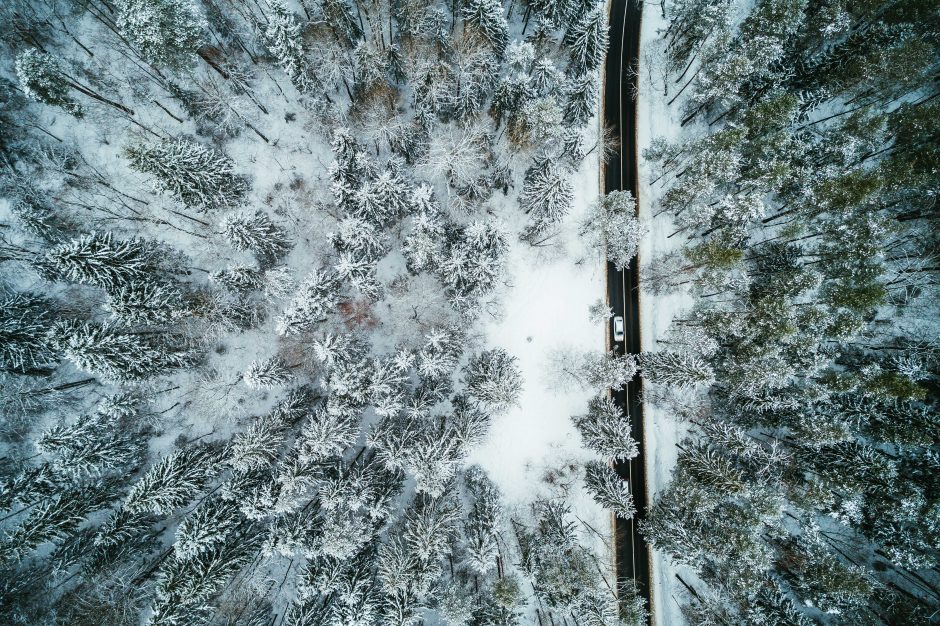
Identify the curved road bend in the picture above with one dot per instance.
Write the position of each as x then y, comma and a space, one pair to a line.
631, 552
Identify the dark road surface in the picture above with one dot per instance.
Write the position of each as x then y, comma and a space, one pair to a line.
632, 553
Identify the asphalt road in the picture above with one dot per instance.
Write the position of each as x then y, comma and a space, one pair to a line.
632, 553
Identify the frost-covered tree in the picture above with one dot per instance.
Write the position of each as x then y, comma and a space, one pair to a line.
257, 233
25, 319
42, 79
473, 259
488, 18
173, 481
204, 528
423, 244
606, 430
97, 259
93, 445
166, 32
587, 38
546, 195
267, 374
146, 302
327, 434
481, 529
117, 354
613, 224
494, 378
580, 99
385, 198
283, 38
257, 447
603, 371
240, 278
315, 297
197, 176
608, 489
676, 369
600, 312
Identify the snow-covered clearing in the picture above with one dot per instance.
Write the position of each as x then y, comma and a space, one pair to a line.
545, 308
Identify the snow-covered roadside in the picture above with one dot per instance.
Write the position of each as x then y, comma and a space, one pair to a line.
662, 432
545, 308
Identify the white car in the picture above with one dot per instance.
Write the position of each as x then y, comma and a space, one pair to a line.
618, 328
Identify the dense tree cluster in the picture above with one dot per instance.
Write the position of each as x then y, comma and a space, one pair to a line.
212, 216
804, 184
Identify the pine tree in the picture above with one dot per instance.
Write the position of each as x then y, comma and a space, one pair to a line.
116, 354
488, 18
173, 481
606, 430
327, 434
267, 374
613, 223
494, 378
257, 233
580, 99
24, 324
204, 528
146, 302
676, 369
473, 259
166, 32
239, 278
315, 297
384, 199
546, 195
608, 489
97, 259
587, 38
197, 176
41, 78
361, 237
603, 371
481, 529
258, 446
93, 445
284, 39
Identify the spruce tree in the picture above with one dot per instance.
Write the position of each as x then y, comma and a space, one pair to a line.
488, 18
607, 431
494, 378
42, 79
257, 233
267, 374
284, 39
116, 354
546, 195
609, 490
587, 38
24, 324
676, 369
166, 32
315, 297
197, 176
97, 259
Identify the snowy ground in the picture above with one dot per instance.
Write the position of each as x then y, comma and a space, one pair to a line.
662, 432
545, 308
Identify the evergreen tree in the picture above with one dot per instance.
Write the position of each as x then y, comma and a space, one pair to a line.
587, 38
257, 233
315, 297
613, 222
546, 195
173, 481
609, 490
327, 434
284, 39
92, 446
97, 259
580, 99
607, 371
676, 369
24, 325
166, 32
239, 278
197, 176
606, 430
494, 378
42, 79
145, 302
488, 18
267, 374
384, 199
116, 354
205, 528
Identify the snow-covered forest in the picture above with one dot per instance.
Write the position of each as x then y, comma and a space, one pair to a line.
790, 181
250, 250
304, 316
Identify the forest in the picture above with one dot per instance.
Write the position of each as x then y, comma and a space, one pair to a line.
800, 188
259, 260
